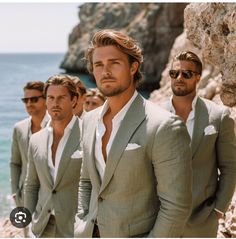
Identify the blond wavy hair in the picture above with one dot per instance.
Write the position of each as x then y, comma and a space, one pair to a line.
126, 44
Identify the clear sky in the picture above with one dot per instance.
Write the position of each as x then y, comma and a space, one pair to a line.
36, 27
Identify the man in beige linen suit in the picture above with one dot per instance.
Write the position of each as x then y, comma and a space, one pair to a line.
51, 187
35, 105
136, 171
213, 146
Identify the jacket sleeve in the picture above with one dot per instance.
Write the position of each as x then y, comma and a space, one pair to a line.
15, 163
171, 157
32, 183
226, 160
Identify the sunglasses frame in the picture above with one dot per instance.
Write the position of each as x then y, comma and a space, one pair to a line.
33, 99
184, 73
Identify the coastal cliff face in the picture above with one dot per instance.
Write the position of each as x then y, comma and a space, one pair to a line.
154, 25
212, 28
210, 32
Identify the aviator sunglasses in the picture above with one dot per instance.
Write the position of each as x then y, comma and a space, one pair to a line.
187, 74
33, 99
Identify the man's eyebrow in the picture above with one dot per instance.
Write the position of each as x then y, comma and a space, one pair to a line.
112, 59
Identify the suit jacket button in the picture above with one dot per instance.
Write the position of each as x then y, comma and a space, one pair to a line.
54, 191
49, 211
100, 199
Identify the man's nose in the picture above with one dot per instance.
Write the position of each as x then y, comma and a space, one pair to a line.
179, 77
106, 71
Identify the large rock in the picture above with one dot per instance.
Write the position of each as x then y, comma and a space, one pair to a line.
154, 25
212, 28
205, 35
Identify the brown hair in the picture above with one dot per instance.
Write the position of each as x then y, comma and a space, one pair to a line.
192, 57
81, 88
95, 92
64, 80
123, 42
34, 85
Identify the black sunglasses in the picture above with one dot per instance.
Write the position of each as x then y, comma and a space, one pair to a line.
33, 99
187, 74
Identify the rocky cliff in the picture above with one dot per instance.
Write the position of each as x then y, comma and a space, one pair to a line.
212, 28
154, 25
210, 32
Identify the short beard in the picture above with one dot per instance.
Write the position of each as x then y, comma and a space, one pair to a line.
181, 92
111, 92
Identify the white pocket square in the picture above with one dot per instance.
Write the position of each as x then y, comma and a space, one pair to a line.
210, 129
132, 146
77, 154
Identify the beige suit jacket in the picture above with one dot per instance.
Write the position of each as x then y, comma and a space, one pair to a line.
145, 191
214, 166
42, 195
19, 158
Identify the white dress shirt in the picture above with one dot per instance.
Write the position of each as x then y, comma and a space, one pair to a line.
54, 168
190, 120
43, 123
100, 130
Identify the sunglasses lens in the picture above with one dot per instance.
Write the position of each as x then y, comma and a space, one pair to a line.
24, 100
173, 74
187, 74
31, 99
34, 99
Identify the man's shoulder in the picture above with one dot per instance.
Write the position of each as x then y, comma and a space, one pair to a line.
39, 137
157, 110
22, 123
212, 107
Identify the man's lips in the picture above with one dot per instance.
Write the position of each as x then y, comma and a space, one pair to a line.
107, 80
56, 110
179, 84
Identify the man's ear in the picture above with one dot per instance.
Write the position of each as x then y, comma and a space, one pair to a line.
198, 78
134, 67
74, 101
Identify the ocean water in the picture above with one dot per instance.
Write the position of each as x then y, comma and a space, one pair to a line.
15, 71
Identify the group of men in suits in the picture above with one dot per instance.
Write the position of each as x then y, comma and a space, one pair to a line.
145, 172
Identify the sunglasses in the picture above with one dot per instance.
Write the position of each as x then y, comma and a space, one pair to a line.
33, 99
187, 74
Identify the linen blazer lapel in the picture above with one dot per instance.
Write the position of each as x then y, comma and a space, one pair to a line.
72, 145
201, 120
133, 118
25, 136
44, 152
90, 144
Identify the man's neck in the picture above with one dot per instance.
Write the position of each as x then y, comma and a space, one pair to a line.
36, 122
116, 103
60, 125
183, 105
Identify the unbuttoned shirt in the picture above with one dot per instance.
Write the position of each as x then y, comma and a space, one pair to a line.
43, 123
60, 148
100, 131
190, 120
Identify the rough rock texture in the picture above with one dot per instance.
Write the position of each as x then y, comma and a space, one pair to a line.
154, 25
212, 28
202, 21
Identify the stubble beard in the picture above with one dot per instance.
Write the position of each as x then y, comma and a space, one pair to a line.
181, 92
